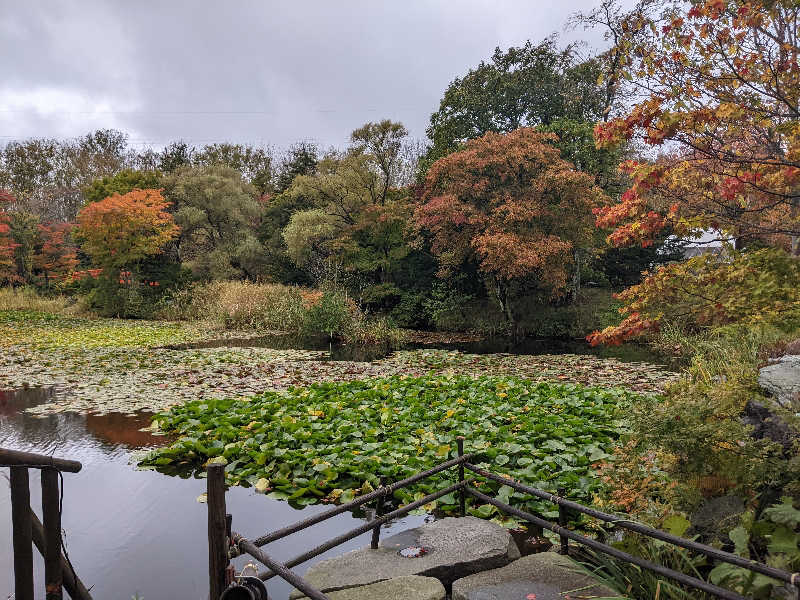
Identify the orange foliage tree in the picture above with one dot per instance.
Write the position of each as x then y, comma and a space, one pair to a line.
121, 230
511, 206
57, 257
717, 84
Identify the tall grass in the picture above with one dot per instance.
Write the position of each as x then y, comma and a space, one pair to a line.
279, 308
29, 300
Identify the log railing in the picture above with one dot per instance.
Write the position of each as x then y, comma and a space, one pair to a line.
45, 534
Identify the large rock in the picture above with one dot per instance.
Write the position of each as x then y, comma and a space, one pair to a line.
453, 548
410, 587
545, 576
782, 380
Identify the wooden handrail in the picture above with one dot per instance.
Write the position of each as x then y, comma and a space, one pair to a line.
16, 458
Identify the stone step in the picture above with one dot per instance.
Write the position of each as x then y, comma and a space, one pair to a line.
451, 548
544, 576
409, 587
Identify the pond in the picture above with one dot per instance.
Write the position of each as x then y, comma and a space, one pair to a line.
130, 531
524, 346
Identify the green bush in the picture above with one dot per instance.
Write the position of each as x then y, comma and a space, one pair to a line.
381, 298
410, 312
330, 315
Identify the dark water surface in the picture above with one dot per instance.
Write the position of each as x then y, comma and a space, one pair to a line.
140, 532
527, 346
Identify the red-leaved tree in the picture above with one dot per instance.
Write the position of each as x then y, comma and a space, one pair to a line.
8, 267
57, 256
511, 206
716, 85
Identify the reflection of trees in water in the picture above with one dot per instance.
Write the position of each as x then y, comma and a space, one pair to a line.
123, 430
15, 401
111, 430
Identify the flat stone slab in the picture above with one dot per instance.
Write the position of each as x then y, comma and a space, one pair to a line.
544, 576
409, 587
452, 548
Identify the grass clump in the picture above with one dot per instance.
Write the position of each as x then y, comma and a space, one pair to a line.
328, 441
264, 307
28, 299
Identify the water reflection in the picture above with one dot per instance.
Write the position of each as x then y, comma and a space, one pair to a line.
131, 531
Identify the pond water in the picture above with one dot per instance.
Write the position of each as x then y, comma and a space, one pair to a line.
140, 532
526, 346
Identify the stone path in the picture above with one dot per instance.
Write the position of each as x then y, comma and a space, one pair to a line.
447, 549
478, 559
544, 576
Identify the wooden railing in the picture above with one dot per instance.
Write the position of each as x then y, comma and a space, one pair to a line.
45, 534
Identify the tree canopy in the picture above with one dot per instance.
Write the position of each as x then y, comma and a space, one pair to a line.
530, 85
718, 87
512, 206
123, 229
217, 212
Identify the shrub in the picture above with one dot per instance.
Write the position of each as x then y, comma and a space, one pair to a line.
410, 311
330, 315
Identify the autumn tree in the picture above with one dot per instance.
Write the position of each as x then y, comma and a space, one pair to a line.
513, 208
57, 255
121, 183
8, 267
121, 230
717, 90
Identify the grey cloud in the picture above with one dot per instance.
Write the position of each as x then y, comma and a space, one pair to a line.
269, 72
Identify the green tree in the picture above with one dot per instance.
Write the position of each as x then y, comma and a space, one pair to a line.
254, 163
521, 87
24, 230
218, 213
302, 159
382, 143
121, 183
174, 156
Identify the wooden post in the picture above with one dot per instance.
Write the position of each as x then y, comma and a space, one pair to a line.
73, 585
51, 517
23, 544
562, 521
376, 531
462, 494
217, 525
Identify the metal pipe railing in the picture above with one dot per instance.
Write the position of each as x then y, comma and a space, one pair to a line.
384, 491
340, 539
610, 550
709, 551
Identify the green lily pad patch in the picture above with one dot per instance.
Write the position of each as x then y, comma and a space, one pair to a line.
331, 441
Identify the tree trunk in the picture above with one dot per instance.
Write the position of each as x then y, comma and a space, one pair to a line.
576, 280
501, 292
795, 214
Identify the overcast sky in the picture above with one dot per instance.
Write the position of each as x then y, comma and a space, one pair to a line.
248, 71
